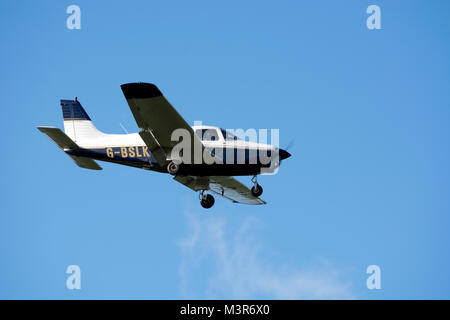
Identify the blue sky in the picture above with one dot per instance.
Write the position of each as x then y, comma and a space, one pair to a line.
368, 182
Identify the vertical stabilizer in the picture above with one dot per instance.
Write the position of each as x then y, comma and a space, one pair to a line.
77, 123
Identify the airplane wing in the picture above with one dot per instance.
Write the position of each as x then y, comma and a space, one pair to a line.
227, 187
157, 118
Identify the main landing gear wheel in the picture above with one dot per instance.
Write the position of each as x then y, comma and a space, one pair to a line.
256, 190
207, 201
173, 168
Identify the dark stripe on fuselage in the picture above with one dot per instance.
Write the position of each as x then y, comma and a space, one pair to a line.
235, 161
135, 156
238, 156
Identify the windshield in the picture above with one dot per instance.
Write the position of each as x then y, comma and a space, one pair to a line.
228, 136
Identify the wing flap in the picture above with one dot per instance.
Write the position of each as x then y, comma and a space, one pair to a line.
153, 145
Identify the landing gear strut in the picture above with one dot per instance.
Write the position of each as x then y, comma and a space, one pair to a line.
206, 200
257, 190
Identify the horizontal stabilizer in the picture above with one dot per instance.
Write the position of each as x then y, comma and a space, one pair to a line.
65, 143
86, 163
59, 137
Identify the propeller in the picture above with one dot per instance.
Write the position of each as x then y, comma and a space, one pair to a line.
283, 153
290, 145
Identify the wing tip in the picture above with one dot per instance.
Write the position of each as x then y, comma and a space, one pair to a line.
140, 90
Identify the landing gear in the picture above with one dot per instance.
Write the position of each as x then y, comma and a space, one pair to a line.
173, 168
206, 200
256, 190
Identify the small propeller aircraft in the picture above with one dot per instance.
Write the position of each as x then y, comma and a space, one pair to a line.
154, 147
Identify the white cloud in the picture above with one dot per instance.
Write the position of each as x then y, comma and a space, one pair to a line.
227, 263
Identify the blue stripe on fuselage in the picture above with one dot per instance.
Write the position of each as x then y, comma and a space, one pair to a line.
129, 153
141, 154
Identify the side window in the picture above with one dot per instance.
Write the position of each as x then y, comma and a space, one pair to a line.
210, 135
207, 134
199, 133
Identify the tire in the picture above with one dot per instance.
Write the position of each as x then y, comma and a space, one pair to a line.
173, 168
208, 202
257, 190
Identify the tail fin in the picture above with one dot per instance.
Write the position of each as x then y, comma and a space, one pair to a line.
77, 124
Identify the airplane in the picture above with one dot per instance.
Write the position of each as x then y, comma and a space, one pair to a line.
153, 148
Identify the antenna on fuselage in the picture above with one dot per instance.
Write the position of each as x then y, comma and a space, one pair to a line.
123, 128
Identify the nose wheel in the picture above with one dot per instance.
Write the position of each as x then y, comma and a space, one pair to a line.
256, 190
206, 200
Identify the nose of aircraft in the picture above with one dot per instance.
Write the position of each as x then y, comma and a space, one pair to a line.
284, 154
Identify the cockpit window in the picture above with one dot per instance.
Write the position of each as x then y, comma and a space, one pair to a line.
207, 134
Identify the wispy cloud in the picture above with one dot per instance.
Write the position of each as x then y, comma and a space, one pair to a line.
227, 262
